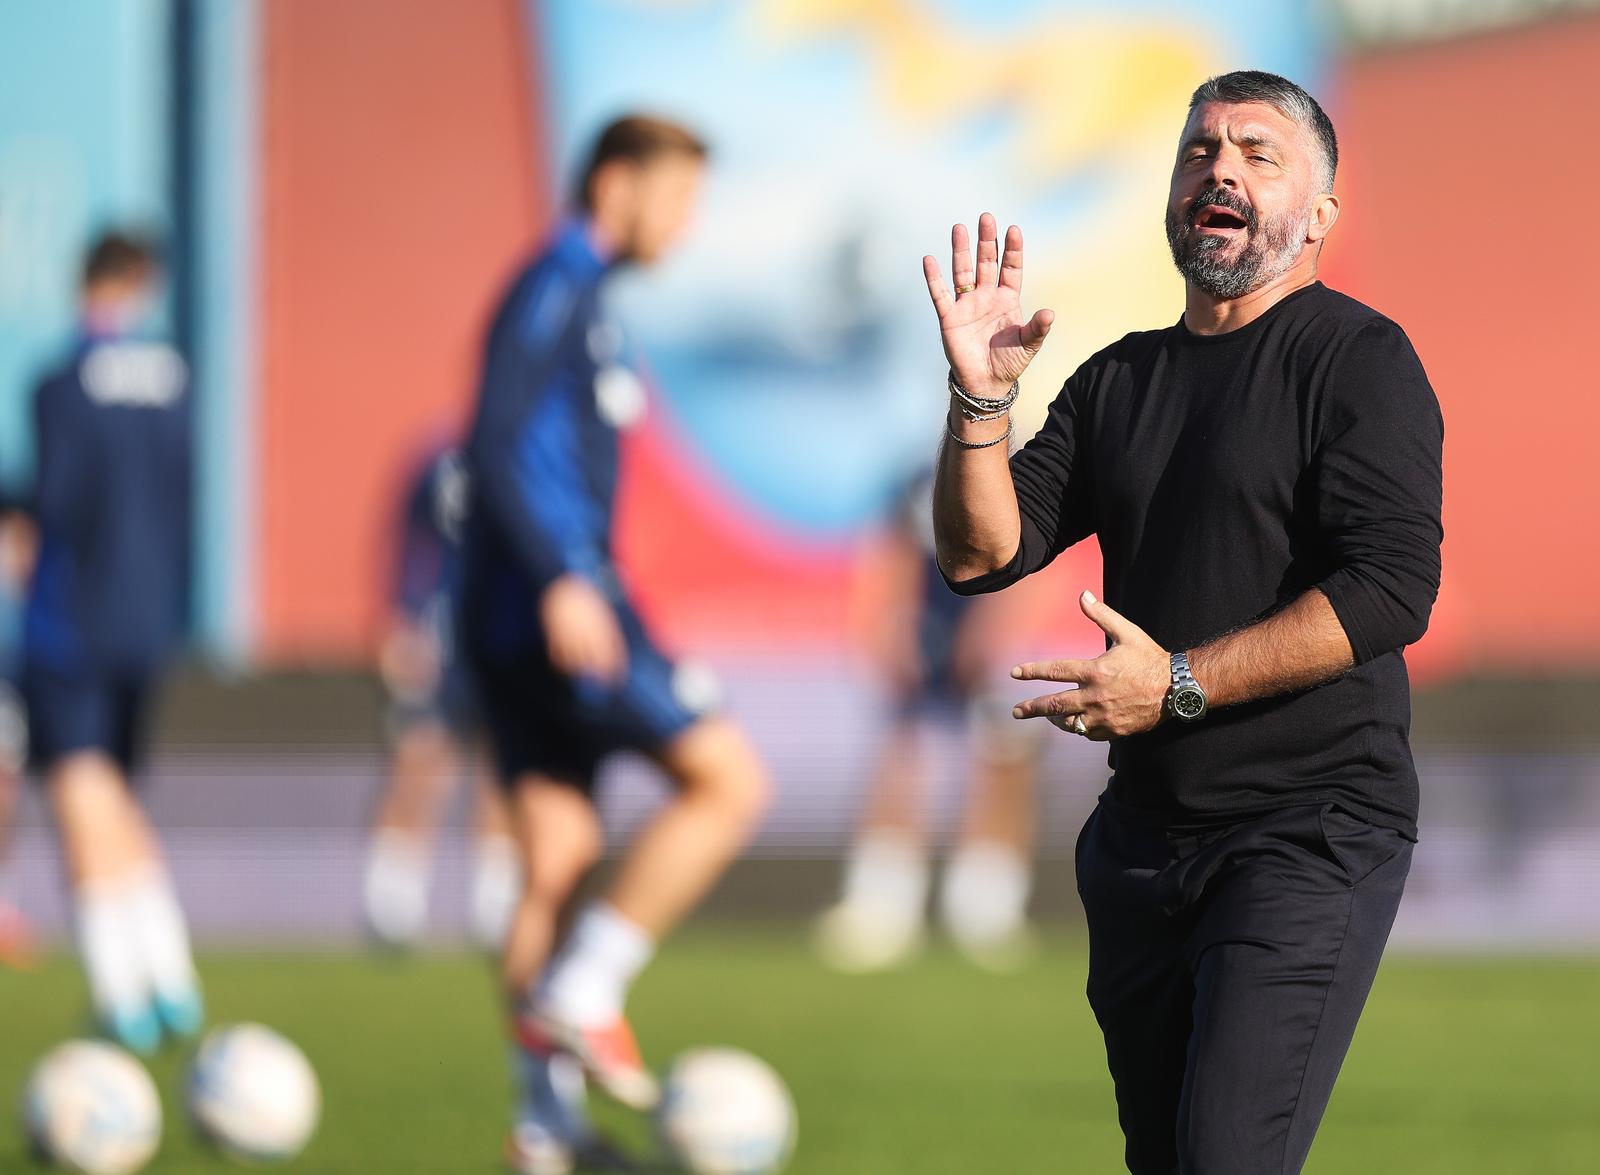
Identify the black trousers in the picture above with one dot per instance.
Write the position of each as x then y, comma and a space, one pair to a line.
1227, 970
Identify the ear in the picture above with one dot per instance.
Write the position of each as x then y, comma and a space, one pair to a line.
1324, 214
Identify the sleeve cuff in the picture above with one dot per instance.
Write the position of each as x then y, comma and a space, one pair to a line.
1337, 590
991, 581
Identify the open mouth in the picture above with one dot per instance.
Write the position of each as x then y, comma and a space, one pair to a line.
1214, 218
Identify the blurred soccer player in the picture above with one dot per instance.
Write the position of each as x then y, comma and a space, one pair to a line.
939, 653
433, 728
16, 564
105, 609
566, 670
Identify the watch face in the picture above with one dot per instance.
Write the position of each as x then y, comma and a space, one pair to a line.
1188, 703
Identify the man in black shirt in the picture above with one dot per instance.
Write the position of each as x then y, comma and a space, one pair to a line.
1264, 480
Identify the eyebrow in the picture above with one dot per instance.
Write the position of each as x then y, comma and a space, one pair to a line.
1246, 140
1260, 141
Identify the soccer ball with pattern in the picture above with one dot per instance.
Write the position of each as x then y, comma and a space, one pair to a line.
90, 1107
725, 1112
253, 1093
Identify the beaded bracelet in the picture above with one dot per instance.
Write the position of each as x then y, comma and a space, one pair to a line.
1001, 439
984, 403
974, 408
969, 414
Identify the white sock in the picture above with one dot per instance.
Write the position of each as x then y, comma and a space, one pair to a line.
394, 888
496, 885
587, 984
887, 873
108, 942
985, 893
162, 936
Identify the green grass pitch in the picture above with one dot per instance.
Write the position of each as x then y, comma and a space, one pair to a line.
1462, 1065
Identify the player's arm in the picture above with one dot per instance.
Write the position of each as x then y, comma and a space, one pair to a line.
1295, 648
1378, 485
180, 468
62, 469
1123, 691
1378, 478
978, 521
886, 602
527, 454
408, 658
525, 449
419, 556
1046, 486
19, 541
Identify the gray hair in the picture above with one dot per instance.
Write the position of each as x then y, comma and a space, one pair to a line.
1288, 99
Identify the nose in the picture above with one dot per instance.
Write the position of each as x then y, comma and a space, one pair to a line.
1223, 172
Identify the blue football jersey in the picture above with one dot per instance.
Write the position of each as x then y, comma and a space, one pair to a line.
112, 431
543, 452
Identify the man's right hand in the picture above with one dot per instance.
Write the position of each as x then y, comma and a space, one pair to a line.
987, 341
581, 630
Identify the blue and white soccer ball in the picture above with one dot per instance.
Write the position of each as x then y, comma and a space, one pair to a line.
726, 1112
90, 1107
253, 1093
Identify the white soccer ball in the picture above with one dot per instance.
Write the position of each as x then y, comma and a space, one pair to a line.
725, 1112
253, 1093
89, 1106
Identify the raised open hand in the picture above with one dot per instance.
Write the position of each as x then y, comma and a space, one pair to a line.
986, 339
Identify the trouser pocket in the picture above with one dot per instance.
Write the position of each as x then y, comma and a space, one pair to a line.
1355, 845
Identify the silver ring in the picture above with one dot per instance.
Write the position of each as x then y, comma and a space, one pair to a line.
1077, 725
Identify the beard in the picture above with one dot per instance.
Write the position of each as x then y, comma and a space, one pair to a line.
1271, 246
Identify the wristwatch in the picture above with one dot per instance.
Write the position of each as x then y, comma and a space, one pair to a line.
1186, 701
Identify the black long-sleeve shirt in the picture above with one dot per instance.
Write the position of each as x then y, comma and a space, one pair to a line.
1225, 476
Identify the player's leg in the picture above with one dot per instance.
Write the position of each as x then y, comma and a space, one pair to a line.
421, 771
131, 931
496, 883
150, 902
721, 790
558, 838
104, 850
878, 919
16, 936
1139, 987
162, 932
101, 836
1284, 953
545, 779
984, 896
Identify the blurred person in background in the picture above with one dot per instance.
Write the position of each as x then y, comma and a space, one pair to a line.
566, 670
433, 728
105, 610
939, 655
17, 546
1264, 478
